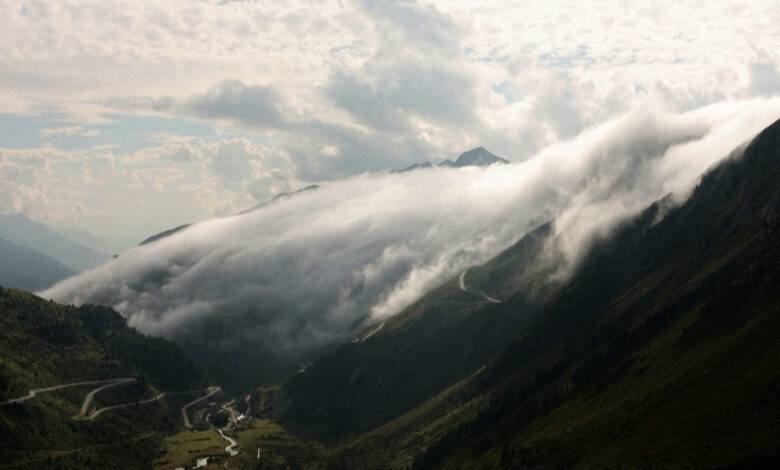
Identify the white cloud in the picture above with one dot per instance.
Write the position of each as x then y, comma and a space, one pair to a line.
180, 181
233, 100
241, 165
349, 87
295, 275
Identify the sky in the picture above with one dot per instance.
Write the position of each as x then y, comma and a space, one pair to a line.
125, 118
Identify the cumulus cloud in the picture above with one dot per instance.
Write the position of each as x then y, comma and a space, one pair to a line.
350, 87
366, 102
240, 164
181, 180
415, 23
302, 272
253, 105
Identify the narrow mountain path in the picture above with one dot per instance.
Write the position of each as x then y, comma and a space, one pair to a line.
84, 415
33, 392
91, 395
373, 332
187, 423
462, 285
95, 413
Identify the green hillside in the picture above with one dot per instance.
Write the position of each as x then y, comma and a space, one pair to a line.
43, 344
661, 351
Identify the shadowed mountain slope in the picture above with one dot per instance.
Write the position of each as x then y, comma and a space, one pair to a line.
443, 336
660, 351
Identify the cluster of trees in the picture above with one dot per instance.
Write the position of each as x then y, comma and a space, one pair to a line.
43, 344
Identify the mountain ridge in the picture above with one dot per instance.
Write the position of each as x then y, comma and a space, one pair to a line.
478, 156
693, 288
29, 269
22, 230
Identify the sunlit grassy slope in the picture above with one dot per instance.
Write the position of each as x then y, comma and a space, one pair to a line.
184, 448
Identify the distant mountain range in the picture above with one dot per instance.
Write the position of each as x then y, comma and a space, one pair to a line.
29, 269
20, 229
475, 157
35, 256
87, 239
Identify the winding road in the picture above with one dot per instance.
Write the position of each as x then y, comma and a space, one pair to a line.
462, 285
96, 413
84, 415
248, 405
36, 391
158, 397
187, 423
91, 396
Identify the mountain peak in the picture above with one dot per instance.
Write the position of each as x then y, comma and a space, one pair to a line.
478, 156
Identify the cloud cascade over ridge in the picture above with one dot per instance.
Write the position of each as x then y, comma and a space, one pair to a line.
313, 268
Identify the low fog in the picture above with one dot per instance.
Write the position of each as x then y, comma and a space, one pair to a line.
317, 267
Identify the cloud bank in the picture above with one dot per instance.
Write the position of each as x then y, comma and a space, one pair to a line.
96, 97
312, 269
